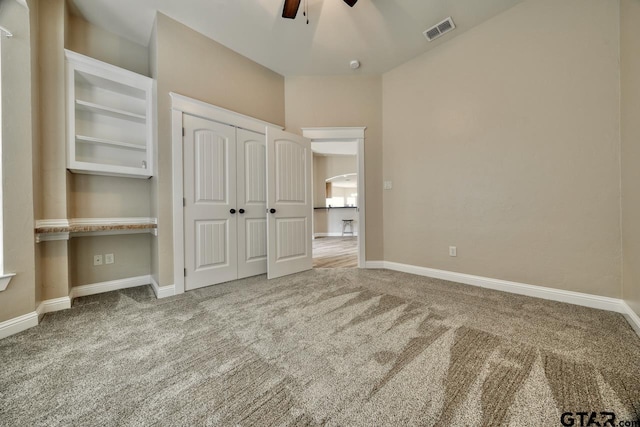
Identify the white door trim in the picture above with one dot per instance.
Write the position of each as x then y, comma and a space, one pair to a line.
180, 105
332, 134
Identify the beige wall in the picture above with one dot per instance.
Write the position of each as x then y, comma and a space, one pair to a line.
17, 151
94, 196
52, 189
154, 181
193, 65
56, 193
630, 132
517, 163
345, 101
504, 142
52, 109
103, 45
34, 25
131, 254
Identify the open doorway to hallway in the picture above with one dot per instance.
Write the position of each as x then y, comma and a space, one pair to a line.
339, 229
335, 214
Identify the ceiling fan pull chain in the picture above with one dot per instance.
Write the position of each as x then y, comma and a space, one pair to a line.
306, 10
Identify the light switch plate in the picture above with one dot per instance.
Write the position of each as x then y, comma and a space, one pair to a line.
388, 185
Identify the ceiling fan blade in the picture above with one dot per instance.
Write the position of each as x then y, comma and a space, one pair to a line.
291, 9
351, 2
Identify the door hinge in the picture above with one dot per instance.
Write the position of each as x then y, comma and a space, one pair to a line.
185, 272
184, 202
183, 132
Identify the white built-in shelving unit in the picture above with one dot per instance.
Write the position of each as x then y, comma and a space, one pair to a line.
109, 119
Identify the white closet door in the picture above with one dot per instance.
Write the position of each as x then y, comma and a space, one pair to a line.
210, 202
289, 201
252, 202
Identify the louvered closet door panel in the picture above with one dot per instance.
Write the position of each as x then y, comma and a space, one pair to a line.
210, 194
252, 198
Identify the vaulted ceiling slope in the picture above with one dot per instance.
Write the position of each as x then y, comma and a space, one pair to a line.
381, 34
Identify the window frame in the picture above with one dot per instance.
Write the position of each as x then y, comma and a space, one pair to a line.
4, 277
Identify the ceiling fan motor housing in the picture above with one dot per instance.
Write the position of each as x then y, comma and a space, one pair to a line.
290, 9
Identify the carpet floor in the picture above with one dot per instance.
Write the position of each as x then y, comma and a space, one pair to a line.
342, 347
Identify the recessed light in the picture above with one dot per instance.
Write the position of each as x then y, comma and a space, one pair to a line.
355, 64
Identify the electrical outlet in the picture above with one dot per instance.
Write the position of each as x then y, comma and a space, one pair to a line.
453, 251
109, 259
97, 260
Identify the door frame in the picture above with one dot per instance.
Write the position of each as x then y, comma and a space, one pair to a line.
336, 134
181, 105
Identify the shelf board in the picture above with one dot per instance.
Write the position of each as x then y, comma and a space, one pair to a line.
50, 230
88, 168
89, 80
114, 112
102, 141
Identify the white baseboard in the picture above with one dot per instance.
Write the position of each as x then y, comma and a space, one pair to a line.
374, 264
632, 318
112, 285
51, 305
570, 297
334, 235
29, 320
18, 324
162, 291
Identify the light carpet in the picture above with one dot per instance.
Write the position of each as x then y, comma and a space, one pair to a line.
342, 347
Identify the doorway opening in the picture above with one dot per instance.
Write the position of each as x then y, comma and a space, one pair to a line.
338, 196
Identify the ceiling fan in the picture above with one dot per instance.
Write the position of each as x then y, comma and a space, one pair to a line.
290, 9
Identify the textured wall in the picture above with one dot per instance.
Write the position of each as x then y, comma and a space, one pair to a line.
505, 143
316, 101
630, 131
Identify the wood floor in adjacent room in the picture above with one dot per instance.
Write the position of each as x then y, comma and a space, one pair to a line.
335, 252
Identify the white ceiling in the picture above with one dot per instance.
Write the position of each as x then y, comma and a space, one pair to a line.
381, 34
345, 181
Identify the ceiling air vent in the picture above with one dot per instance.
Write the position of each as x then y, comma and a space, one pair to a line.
441, 28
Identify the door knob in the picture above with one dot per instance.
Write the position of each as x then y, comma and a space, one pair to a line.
272, 210
241, 211
232, 211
